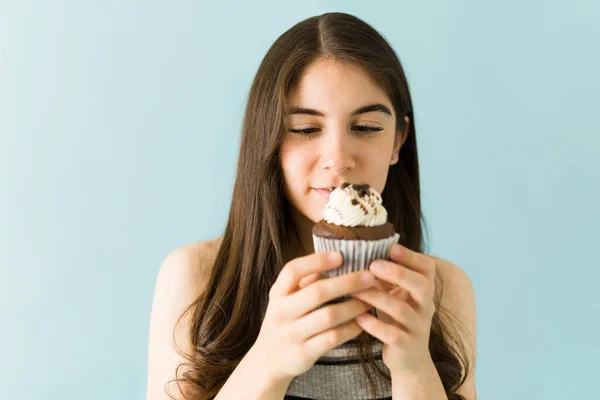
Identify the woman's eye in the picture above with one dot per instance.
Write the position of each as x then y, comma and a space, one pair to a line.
369, 130
305, 130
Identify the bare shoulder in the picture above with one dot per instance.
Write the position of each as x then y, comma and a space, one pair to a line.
458, 295
189, 266
458, 298
180, 280
455, 279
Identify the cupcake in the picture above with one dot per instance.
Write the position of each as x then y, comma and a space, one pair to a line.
355, 224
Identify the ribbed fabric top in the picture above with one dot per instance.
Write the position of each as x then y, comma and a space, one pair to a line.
339, 375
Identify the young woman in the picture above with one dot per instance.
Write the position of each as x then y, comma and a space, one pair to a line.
239, 316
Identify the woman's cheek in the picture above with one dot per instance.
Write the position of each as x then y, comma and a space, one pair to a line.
291, 166
293, 156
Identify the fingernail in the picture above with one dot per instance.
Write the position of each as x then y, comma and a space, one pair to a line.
377, 267
367, 278
396, 250
334, 256
361, 318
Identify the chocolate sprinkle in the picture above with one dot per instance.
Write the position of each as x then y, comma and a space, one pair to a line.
354, 202
365, 211
345, 185
364, 186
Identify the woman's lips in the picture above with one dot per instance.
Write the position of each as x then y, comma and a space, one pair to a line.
324, 192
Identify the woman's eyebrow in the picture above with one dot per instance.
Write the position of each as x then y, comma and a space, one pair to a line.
362, 110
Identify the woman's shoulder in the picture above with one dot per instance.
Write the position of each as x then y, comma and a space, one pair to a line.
191, 263
458, 298
453, 277
197, 253
181, 279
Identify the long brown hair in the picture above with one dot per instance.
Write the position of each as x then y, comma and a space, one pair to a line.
226, 318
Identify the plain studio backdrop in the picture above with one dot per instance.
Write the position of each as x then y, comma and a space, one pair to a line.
119, 133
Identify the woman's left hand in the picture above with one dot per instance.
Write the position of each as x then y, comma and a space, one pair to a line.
404, 303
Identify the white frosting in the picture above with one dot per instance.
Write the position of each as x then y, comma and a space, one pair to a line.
368, 210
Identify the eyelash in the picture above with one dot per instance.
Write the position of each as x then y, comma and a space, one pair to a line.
366, 130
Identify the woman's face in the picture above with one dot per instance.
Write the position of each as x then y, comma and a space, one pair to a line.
340, 142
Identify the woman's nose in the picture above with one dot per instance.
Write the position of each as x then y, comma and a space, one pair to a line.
336, 154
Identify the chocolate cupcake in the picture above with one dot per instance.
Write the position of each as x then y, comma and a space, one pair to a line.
355, 224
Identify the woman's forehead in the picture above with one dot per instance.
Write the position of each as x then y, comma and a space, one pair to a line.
336, 88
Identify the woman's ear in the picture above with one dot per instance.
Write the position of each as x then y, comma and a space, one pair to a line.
399, 140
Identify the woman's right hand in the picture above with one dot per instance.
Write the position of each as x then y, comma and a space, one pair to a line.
294, 333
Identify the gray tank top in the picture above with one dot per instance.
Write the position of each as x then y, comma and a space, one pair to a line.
339, 375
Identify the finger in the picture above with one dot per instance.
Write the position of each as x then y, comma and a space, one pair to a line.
320, 344
308, 279
328, 317
417, 262
404, 295
291, 274
387, 333
398, 310
383, 285
324, 290
418, 285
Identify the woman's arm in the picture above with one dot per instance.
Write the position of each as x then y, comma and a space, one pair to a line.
458, 298
180, 281
252, 380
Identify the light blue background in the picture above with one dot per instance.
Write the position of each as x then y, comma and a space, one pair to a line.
119, 131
